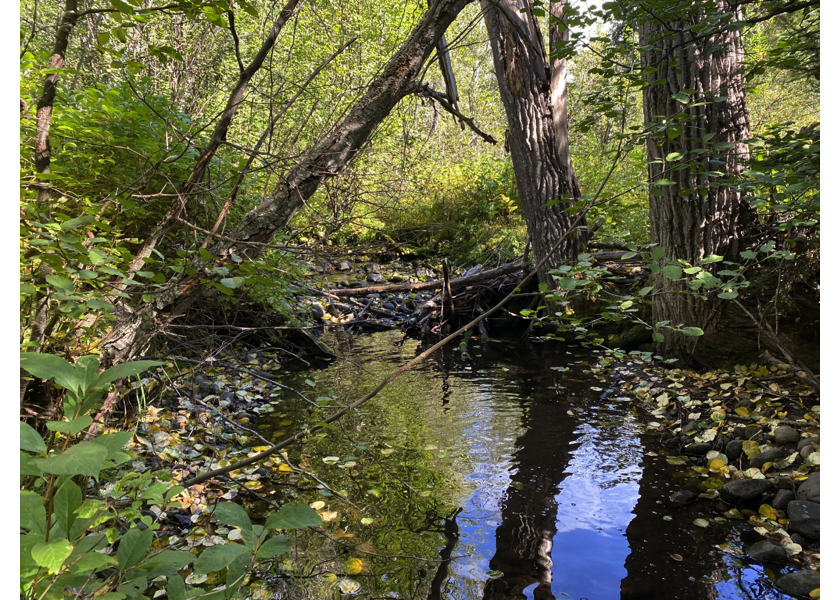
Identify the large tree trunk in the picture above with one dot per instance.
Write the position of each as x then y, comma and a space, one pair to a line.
696, 85
136, 327
534, 99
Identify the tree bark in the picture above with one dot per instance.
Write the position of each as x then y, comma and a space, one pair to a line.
533, 94
136, 327
696, 86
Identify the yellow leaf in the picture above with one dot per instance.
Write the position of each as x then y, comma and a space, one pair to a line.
743, 411
767, 511
677, 557
353, 566
815, 593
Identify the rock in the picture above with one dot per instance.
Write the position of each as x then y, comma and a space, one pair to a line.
389, 306
328, 267
752, 432
733, 449
798, 539
683, 496
746, 403
317, 312
811, 441
782, 482
226, 395
344, 265
799, 584
809, 490
785, 434
782, 499
672, 443
358, 284
742, 491
767, 551
767, 456
375, 278
397, 278
372, 268
373, 296
338, 309
804, 518
700, 448
807, 451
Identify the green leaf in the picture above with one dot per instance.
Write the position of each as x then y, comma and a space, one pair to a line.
657, 253
672, 272
113, 442
102, 305
232, 514
692, 331
175, 588
274, 546
645, 291
33, 515
93, 561
712, 258
232, 282
133, 547
126, 369
205, 254
728, 295
52, 554
663, 182
28, 466
658, 337
85, 458
67, 501
748, 254
217, 558
60, 283
674, 156
167, 563
294, 516
31, 440
626, 304
70, 427
49, 366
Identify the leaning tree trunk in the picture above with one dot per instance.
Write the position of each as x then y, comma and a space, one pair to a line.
534, 100
695, 96
137, 326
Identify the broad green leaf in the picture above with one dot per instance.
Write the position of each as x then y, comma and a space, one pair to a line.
85, 458
672, 272
67, 501
712, 258
236, 575
93, 561
748, 254
232, 282
49, 366
692, 331
274, 546
70, 427
60, 283
175, 588
31, 440
87, 368
33, 515
294, 516
133, 547
126, 370
663, 182
113, 442
232, 514
728, 295
167, 563
27, 465
657, 337
645, 291
626, 304
52, 554
217, 558
657, 253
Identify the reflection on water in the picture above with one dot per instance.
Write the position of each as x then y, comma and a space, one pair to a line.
524, 481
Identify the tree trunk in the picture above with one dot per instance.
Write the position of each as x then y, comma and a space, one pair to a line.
695, 104
136, 327
533, 94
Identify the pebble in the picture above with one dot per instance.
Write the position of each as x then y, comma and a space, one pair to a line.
785, 434
799, 584
751, 432
810, 441
344, 265
699, 448
804, 518
742, 491
768, 456
683, 496
375, 278
809, 490
767, 551
733, 449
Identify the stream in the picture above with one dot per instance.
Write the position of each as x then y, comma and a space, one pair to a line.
508, 472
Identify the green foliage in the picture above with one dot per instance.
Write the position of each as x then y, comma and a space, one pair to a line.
70, 541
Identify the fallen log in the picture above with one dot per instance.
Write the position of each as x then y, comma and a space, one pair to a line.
511, 267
